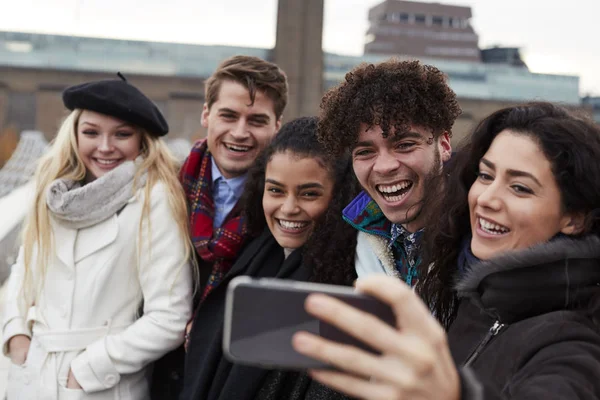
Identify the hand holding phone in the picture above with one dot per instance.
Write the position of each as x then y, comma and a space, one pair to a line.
262, 316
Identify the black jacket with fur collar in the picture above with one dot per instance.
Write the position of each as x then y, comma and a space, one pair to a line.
526, 328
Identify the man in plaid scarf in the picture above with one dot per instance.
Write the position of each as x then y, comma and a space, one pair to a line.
245, 98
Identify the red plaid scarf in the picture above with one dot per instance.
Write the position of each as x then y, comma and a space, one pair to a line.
220, 246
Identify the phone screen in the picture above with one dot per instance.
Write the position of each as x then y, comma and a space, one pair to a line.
263, 320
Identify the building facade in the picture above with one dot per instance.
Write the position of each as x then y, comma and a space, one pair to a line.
594, 103
35, 68
430, 30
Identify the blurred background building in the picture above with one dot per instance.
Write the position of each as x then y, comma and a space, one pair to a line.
35, 68
430, 30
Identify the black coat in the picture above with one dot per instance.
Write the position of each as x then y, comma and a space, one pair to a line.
208, 375
546, 342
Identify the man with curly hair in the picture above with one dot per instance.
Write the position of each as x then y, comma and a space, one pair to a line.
396, 119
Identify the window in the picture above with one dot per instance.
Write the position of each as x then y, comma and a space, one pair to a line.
404, 17
437, 21
419, 18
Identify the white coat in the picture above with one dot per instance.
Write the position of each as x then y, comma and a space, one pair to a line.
88, 318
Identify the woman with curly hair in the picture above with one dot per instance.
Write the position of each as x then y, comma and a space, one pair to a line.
513, 268
396, 119
293, 200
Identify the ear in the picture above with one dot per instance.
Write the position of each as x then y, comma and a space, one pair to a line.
444, 146
278, 125
205, 113
572, 224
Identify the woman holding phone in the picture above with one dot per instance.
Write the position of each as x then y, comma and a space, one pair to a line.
293, 200
102, 286
514, 256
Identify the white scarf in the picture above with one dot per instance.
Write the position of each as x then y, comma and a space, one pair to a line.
78, 206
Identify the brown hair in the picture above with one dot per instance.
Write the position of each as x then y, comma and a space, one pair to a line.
393, 95
254, 74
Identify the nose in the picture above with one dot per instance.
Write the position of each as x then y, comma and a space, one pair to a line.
240, 131
105, 145
290, 205
385, 163
490, 197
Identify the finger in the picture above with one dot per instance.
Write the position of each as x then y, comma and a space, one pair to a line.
355, 387
349, 358
411, 313
362, 325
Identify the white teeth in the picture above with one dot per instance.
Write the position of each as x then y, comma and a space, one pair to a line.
394, 188
106, 162
492, 228
292, 224
237, 148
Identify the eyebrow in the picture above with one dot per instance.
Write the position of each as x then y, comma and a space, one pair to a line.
301, 187
406, 135
256, 116
512, 172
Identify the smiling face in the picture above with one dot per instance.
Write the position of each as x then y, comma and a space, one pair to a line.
297, 193
395, 170
104, 143
515, 202
238, 131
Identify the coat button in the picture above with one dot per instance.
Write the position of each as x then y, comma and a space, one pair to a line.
64, 311
110, 380
26, 378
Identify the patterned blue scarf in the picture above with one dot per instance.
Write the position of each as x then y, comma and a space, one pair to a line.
407, 252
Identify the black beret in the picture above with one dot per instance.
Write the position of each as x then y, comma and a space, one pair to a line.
119, 99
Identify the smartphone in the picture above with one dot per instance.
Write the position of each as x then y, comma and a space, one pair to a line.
262, 315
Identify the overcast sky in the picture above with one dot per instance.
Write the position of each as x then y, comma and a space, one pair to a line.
555, 36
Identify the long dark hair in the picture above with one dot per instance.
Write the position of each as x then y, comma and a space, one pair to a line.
330, 250
572, 145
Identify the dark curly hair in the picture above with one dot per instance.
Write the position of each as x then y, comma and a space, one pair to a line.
572, 145
330, 250
393, 95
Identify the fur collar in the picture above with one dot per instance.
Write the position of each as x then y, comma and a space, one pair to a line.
563, 274
549, 252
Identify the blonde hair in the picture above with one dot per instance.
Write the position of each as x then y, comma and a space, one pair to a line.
62, 161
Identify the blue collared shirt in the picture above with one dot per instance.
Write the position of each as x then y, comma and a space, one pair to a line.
226, 193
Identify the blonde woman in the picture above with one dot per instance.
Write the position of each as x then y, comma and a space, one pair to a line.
102, 286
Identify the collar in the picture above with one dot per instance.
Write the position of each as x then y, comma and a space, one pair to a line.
364, 214
557, 275
411, 240
236, 184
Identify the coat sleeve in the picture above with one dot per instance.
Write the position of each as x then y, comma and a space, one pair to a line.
166, 282
15, 322
567, 368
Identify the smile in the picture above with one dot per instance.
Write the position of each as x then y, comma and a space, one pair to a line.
237, 148
395, 192
107, 162
292, 225
491, 228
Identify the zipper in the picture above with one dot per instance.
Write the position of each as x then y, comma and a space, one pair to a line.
494, 330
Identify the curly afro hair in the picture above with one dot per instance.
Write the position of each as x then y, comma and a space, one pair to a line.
393, 95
